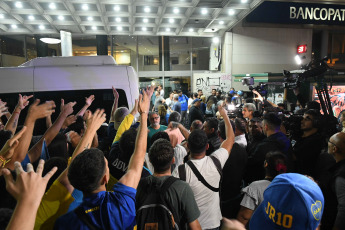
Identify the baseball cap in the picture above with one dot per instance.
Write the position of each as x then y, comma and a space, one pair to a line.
195, 100
120, 114
291, 201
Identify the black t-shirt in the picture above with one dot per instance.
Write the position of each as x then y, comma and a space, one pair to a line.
118, 162
307, 151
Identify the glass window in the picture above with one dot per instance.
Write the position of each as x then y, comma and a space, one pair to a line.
12, 50
336, 51
180, 48
84, 46
201, 53
31, 47
124, 49
148, 53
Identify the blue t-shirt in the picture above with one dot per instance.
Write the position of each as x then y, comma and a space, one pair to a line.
184, 102
176, 106
107, 210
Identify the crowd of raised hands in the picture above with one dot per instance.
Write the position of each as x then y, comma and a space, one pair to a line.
28, 187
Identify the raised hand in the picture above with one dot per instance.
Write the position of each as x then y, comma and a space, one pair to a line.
95, 120
68, 108
115, 93
11, 144
29, 186
89, 100
222, 111
3, 108
40, 111
144, 100
68, 121
23, 101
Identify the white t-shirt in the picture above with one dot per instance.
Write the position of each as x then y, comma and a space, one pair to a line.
241, 140
179, 154
207, 200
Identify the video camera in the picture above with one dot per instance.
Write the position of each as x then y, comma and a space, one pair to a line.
249, 81
294, 78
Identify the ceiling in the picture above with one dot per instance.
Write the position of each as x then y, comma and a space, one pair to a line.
123, 17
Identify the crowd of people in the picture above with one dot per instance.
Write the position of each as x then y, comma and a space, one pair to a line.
182, 162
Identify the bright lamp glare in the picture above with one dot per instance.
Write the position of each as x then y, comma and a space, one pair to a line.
215, 40
231, 107
298, 60
50, 40
176, 11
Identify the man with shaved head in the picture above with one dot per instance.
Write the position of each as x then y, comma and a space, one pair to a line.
336, 147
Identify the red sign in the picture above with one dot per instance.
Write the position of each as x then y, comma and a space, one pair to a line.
302, 49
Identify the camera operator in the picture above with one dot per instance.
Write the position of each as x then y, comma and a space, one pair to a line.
275, 141
307, 149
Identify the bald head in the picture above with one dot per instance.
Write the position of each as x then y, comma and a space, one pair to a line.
336, 146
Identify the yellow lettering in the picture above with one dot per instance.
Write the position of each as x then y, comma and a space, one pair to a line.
279, 219
267, 208
92, 209
287, 221
272, 213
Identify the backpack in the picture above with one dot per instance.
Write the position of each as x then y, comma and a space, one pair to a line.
155, 213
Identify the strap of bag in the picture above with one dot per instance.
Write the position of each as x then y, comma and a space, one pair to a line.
201, 178
166, 185
85, 218
217, 164
182, 172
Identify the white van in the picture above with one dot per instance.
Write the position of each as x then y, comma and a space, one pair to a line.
71, 78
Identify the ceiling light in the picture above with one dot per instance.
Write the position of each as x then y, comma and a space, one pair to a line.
231, 12
14, 26
244, 1
171, 20
18, 5
118, 19
144, 28
204, 11
94, 28
167, 29
221, 22
85, 7
41, 27
176, 10
215, 40
50, 40
90, 18
52, 6
1, 16
121, 51
61, 18
145, 20
191, 30
147, 9
119, 28
116, 8
30, 17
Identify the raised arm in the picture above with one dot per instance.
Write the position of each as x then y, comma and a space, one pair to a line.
35, 112
28, 190
93, 123
230, 136
88, 102
12, 123
115, 105
136, 163
50, 134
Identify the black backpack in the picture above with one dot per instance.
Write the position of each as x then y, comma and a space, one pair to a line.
154, 213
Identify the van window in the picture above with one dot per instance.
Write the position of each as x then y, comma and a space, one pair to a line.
103, 99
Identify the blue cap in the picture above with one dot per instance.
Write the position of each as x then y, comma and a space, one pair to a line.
195, 100
291, 201
240, 92
232, 92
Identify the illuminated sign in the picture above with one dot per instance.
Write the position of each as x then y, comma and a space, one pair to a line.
301, 49
316, 13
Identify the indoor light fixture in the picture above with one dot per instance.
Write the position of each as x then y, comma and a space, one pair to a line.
61, 18
147, 9
176, 10
116, 8
52, 6
50, 40
231, 12
118, 19
145, 20
18, 5
85, 7
204, 11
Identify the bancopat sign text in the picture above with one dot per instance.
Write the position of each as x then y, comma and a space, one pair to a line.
311, 13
